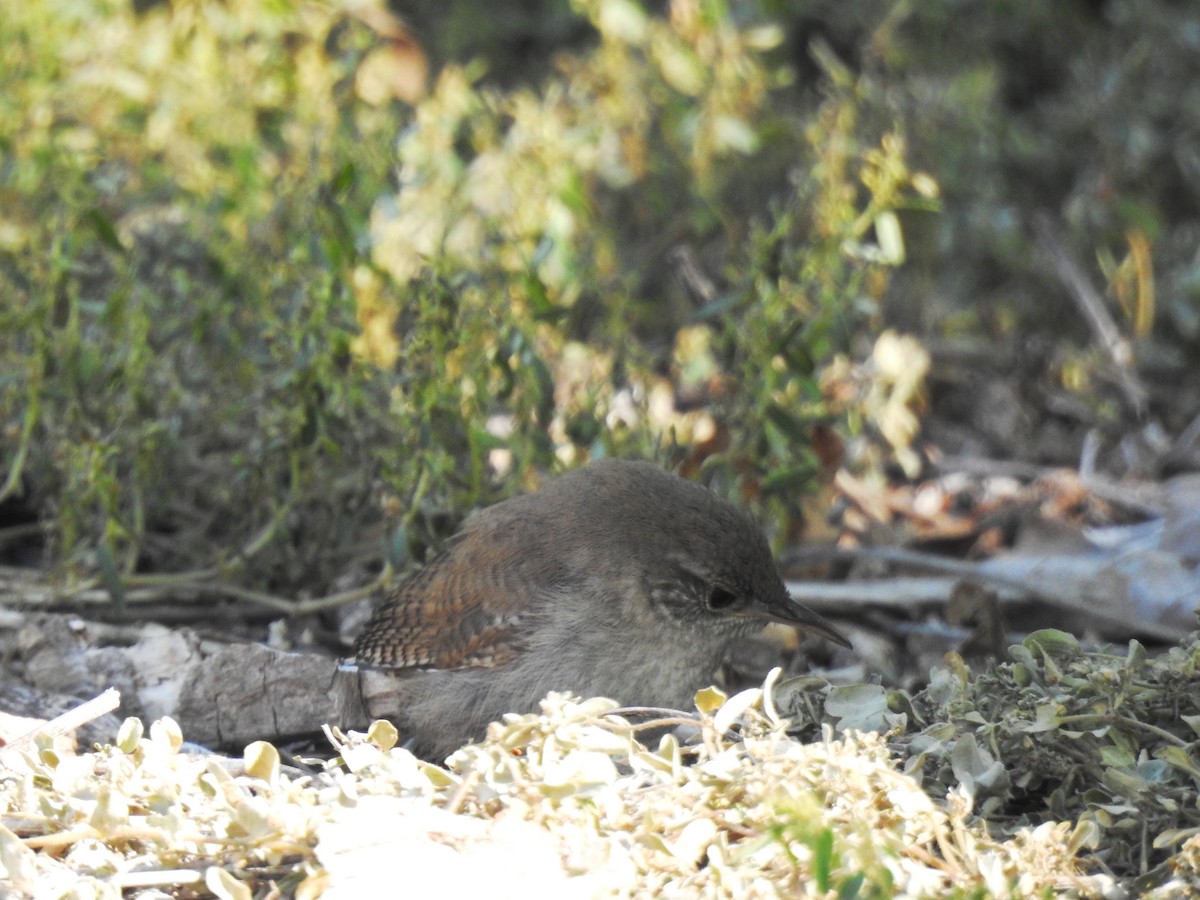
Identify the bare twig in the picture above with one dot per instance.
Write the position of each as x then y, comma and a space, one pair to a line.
1187, 440
69, 721
1064, 582
687, 268
1091, 305
26, 587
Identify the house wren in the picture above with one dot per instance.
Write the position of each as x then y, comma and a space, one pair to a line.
616, 580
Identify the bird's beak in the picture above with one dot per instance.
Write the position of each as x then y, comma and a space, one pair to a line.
789, 612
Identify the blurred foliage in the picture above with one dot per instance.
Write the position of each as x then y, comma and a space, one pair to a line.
568, 206
1088, 111
229, 336
266, 288
179, 389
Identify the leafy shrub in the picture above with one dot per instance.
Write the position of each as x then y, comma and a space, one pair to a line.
231, 333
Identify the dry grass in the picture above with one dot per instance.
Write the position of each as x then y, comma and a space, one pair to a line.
566, 801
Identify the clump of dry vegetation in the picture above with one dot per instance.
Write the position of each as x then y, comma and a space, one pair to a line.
568, 800
1105, 740
1063, 770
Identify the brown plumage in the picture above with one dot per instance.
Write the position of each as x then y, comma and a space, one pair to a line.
616, 580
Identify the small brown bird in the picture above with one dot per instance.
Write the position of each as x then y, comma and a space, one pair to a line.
617, 580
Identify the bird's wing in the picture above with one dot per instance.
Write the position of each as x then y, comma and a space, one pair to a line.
454, 613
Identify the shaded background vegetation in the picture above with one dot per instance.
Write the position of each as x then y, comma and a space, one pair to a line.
285, 288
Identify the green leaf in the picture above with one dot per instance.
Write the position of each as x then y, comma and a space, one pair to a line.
1052, 642
822, 858
1046, 718
104, 229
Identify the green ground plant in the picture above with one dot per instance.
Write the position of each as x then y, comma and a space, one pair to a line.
251, 316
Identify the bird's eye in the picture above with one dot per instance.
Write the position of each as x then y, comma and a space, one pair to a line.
721, 599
